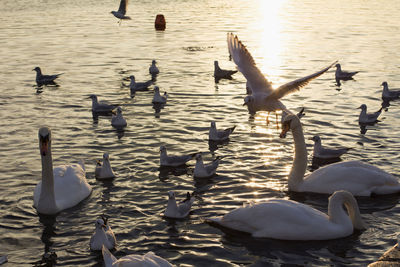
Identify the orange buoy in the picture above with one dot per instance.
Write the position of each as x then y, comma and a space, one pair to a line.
160, 22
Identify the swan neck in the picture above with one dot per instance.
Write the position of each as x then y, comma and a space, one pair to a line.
338, 215
299, 166
47, 202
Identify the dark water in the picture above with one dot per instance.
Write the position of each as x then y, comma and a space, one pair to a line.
288, 39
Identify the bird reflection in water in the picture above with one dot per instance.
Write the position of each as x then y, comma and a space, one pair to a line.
49, 258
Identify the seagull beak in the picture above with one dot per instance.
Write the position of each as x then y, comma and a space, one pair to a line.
114, 111
245, 103
310, 138
359, 107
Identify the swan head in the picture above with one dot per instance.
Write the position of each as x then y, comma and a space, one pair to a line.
289, 122
44, 140
363, 107
384, 84
248, 99
213, 124
171, 195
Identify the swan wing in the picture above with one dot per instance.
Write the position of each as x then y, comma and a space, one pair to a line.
70, 185
281, 219
149, 260
297, 84
247, 66
358, 178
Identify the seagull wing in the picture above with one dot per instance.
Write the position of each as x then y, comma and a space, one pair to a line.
247, 66
297, 84
122, 6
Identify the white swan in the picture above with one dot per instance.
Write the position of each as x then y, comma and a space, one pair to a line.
358, 178
147, 260
61, 188
104, 171
103, 235
290, 220
176, 211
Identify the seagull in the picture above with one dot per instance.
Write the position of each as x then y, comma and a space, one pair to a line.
153, 70
173, 161
142, 86
147, 260
366, 118
343, 75
181, 210
45, 79
103, 235
117, 120
205, 171
101, 107
221, 74
326, 153
219, 135
389, 95
104, 171
157, 98
121, 11
263, 96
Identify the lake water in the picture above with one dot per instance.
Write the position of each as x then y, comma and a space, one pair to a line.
288, 39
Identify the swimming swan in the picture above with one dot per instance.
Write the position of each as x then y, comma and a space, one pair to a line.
358, 178
290, 220
61, 188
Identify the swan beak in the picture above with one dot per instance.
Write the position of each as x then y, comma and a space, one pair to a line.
285, 129
245, 103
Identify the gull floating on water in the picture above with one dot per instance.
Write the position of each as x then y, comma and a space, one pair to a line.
141, 86
117, 120
104, 171
263, 96
220, 73
202, 170
387, 94
153, 70
157, 98
365, 117
219, 135
343, 75
181, 210
101, 107
173, 161
45, 79
326, 153
121, 11
103, 235
147, 260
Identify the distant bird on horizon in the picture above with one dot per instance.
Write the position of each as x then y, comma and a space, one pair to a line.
367, 118
262, 96
121, 11
45, 79
343, 75
326, 153
219, 135
387, 94
153, 70
221, 73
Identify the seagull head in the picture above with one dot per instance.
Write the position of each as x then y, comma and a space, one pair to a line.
198, 156
363, 107
37, 69
106, 156
215, 63
93, 97
156, 89
132, 77
44, 140
213, 124
384, 84
316, 139
248, 99
171, 195
163, 149
153, 62
337, 66
100, 223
